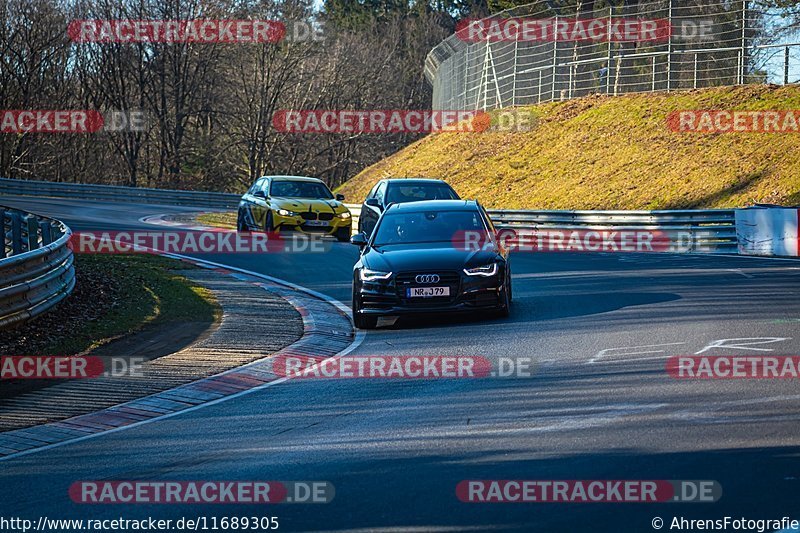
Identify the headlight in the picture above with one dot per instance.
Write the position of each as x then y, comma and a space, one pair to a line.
345, 215
485, 270
286, 213
371, 275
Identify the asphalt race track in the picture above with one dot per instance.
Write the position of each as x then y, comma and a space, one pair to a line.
600, 404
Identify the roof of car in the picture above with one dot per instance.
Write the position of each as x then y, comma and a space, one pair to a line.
434, 205
294, 178
414, 180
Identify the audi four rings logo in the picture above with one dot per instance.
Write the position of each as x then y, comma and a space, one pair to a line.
427, 278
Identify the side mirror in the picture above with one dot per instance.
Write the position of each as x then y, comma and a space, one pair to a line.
340, 197
260, 194
359, 239
374, 202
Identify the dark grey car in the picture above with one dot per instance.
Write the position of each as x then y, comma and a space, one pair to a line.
400, 191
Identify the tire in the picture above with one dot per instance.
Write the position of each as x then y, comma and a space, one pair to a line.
510, 290
505, 310
268, 227
240, 226
362, 321
343, 234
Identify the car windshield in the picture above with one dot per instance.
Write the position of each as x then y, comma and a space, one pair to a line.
400, 194
300, 189
430, 226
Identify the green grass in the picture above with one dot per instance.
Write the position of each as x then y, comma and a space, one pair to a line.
148, 290
603, 152
218, 220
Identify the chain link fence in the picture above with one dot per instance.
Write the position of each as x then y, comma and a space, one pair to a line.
549, 51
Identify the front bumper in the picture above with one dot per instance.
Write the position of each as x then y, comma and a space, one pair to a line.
467, 294
297, 223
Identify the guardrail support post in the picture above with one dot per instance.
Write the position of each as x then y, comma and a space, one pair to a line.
47, 234
16, 233
32, 227
2, 233
56, 230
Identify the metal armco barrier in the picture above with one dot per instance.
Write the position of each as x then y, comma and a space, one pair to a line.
704, 231
114, 193
36, 270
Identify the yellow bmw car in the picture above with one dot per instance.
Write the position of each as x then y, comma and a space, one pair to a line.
294, 203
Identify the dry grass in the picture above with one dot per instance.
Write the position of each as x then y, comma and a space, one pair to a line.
612, 153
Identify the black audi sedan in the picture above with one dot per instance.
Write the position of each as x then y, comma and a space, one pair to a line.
438, 256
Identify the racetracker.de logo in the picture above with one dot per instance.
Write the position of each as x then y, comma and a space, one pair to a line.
70, 121
176, 31
380, 121
588, 491
564, 29
734, 367
194, 242
727, 121
74, 367
563, 240
201, 492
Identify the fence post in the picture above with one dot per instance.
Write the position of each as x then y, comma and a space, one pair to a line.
786, 66
739, 67
653, 79
608, 58
540, 88
555, 61
466, 81
514, 86
744, 42
694, 76
616, 75
669, 49
571, 77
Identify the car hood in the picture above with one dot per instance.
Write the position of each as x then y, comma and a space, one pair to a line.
436, 256
307, 204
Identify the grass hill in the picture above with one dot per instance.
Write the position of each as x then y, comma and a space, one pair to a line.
602, 152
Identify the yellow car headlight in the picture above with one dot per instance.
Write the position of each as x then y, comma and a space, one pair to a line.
286, 213
344, 215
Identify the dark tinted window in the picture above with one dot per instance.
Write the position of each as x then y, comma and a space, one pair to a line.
299, 189
380, 192
402, 193
256, 185
429, 226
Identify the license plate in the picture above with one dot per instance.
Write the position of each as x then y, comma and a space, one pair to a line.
318, 223
427, 292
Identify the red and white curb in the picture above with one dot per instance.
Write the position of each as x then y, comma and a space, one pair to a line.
328, 332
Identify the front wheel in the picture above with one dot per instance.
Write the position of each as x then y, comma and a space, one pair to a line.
505, 309
240, 226
268, 227
362, 321
343, 234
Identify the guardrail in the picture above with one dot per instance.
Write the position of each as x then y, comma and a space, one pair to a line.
115, 193
709, 230
36, 265
706, 230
